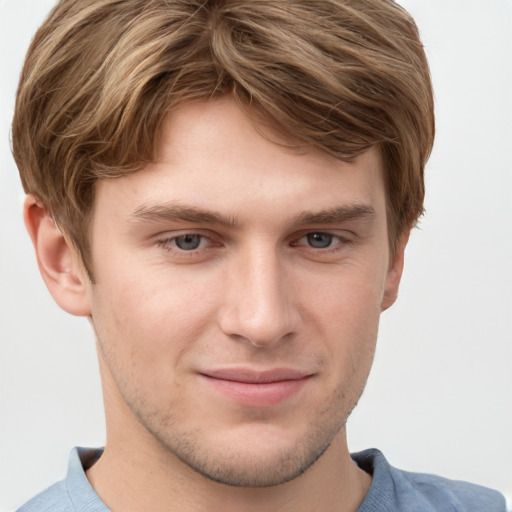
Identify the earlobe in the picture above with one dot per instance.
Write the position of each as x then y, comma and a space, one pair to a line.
395, 270
57, 260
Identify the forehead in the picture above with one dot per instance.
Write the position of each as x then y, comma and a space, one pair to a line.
211, 155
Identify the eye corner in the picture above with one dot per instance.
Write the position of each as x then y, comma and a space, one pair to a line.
188, 246
323, 244
318, 239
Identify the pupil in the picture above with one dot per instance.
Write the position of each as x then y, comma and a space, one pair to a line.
319, 240
188, 242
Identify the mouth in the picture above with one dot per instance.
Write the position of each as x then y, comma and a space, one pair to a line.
256, 388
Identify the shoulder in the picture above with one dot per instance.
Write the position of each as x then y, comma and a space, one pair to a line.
406, 491
53, 499
453, 494
74, 493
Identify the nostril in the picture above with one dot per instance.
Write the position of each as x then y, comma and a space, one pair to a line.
259, 327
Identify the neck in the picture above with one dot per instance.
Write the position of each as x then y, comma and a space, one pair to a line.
124, 478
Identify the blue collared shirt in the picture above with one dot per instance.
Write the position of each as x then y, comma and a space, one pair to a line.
391, 490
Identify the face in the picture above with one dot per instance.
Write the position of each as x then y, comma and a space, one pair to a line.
237, 297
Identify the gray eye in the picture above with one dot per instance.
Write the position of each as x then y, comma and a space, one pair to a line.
319, 240
188, 242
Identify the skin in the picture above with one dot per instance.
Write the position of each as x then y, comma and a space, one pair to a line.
230, 254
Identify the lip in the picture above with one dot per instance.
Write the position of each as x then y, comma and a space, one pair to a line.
255, 388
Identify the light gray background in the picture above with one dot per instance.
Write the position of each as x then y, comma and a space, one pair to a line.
440, 395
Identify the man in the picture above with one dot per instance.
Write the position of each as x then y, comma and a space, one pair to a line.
226, 190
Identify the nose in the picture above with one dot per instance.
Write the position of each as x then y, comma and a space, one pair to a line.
259, 299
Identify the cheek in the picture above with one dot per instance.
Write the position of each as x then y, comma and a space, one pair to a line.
139, 344
346, 313
350, 295
148, 321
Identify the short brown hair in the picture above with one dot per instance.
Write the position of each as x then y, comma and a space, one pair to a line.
101, 75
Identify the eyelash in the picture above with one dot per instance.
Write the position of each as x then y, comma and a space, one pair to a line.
336, 243
169, 244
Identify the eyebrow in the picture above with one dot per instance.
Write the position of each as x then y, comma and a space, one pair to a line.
337, 215
179, 213
194, 215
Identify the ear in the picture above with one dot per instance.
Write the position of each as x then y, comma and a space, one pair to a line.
396, 267
57, 259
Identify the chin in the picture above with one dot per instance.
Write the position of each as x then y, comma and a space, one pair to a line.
252, 455
248, 469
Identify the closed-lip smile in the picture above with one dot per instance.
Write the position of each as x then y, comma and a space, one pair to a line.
256, 388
